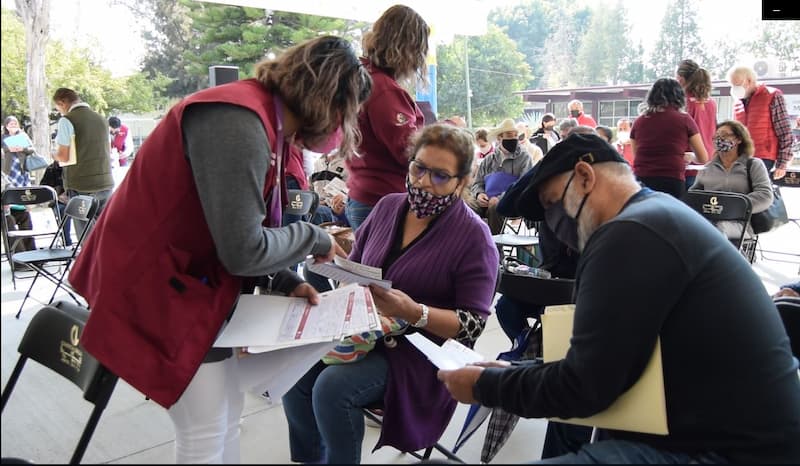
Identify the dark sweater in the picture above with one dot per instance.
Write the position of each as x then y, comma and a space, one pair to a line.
659, 269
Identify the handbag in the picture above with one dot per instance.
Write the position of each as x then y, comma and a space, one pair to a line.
774, 216
35, 161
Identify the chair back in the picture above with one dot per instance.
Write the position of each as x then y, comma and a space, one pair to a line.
789, 309
301, 202
717, 206
31, 195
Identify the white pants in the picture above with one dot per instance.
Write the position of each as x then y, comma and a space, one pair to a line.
206, 417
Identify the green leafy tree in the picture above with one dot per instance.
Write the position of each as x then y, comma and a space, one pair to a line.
679, 39
531, 25
12, 67
496, 69
571, 25
781, 40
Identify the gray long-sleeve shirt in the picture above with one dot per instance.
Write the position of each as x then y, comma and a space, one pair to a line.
228, 150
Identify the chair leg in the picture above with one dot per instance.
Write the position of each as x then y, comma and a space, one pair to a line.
87, 435
12, 381
21, 306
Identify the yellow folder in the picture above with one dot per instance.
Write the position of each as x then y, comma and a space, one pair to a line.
642, 408
73, 154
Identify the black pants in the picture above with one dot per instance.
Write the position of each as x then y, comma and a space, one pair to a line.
21, 220
673, 186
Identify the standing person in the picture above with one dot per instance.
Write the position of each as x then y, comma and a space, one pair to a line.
121, 141
88, 130
762, 110
696, 84
702, 299
624, 140
395, 52
443, 284
575, 108
173, 257
546, 135
15, 174
659, 138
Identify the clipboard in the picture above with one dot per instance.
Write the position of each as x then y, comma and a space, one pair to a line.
643, 408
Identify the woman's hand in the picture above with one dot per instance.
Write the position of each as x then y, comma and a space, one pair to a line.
305, 290
337, 204
334, 251
395, 303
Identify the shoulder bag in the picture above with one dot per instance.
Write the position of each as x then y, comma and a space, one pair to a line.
34, 161
774, 216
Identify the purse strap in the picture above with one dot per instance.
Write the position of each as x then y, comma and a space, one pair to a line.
749, 180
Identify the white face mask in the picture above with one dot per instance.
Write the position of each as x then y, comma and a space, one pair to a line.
738, 92
623, 136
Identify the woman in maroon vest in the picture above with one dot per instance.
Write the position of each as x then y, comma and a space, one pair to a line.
197, 221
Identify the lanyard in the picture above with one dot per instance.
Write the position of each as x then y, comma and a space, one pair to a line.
275, 204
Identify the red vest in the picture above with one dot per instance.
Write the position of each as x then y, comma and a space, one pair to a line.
758, 120
149, 270
119, 139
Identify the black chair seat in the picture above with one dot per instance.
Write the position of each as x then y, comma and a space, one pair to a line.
536, 290
43, 255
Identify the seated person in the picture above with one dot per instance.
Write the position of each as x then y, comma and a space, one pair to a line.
730, 380
332, 194
498, 171
443, 284
734, 169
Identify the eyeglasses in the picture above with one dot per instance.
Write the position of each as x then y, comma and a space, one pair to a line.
438, 177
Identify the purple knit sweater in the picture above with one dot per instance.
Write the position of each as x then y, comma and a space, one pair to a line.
454, 266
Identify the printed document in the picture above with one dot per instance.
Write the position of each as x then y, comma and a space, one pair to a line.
347, 271
451, 355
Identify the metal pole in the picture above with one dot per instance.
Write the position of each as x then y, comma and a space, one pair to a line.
466, 75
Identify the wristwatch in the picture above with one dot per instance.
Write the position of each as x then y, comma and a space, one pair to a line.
423, 319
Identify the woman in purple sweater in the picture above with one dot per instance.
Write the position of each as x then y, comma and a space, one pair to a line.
443, 266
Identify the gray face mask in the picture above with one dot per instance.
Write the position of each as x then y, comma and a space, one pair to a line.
564, 226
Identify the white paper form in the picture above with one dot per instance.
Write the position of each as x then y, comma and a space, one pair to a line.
335, 186
340, 310
451, 355
277, 371
347, 271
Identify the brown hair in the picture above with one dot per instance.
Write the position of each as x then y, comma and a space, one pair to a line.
740, 131
323, 83
482, 134
65, 95
698, 81
398, 43
450, 138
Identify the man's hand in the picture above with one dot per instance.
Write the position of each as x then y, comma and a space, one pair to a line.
460, 382
493, 201
778, 173
305, 290
483, 200
337, 204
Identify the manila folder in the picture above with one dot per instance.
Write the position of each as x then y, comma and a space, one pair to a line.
642, 408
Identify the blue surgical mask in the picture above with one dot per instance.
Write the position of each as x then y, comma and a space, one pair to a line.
564, 226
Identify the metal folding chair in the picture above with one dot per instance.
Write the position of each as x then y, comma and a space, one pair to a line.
28, 197
716, 206
53, 340
83, 208
301, 202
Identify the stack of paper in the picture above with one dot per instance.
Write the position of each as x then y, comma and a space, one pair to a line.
347, 271
264, 323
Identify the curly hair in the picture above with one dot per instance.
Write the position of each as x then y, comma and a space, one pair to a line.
324, 84
698, 81
666, 92
746, 147
398, 43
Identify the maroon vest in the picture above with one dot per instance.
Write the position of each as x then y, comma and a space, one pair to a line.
149, 270
758, 120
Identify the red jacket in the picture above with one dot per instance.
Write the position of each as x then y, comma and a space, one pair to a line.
119, 139
757, 117
387, 120
149, 270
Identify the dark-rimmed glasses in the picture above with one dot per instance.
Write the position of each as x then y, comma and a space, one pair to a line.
438, 177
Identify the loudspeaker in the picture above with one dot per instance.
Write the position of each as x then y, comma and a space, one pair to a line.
219, 74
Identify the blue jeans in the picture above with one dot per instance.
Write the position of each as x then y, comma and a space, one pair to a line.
356, 212
625, 452
513, 315
323, 409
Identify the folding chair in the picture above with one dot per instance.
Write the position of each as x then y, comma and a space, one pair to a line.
716, 206
301, 202
28, 197
83, 208
53, 340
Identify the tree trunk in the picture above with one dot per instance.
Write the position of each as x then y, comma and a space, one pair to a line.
35, 16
